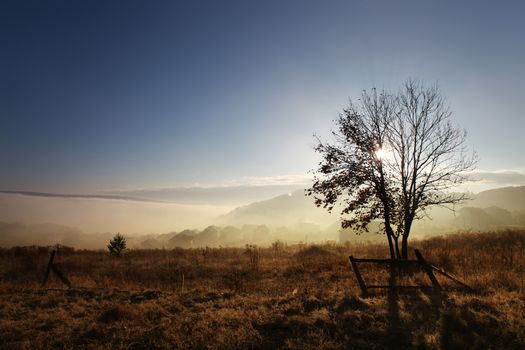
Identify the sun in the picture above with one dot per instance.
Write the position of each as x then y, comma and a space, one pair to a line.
381, 153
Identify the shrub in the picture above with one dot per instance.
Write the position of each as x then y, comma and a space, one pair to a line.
254, 254
117, 245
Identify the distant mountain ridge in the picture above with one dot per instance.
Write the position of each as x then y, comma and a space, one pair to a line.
509, 198
291, 217
296, 208
285, 210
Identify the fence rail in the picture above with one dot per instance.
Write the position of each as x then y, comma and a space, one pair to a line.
420, 261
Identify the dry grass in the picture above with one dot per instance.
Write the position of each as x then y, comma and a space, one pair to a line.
294, 297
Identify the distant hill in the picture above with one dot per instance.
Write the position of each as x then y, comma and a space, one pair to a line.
509, 198
291, 217
499, 208
473, 218
286, 210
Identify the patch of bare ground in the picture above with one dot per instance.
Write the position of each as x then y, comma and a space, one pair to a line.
296, 297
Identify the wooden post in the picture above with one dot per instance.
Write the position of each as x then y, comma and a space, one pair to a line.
362, 285
49, 265
61, 276
452, 278
426, 267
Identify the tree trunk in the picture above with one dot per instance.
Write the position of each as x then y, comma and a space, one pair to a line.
390, 246
396, 239
404, 246
394, 254
404, 239
384, 199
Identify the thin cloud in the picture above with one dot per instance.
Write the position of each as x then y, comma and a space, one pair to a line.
499, 177
282, 180
79, 196
481, 180
235, 192
95, 214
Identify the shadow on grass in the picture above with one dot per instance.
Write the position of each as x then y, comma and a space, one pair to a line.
403, 332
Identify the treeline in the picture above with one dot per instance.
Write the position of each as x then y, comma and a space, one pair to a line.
231, 236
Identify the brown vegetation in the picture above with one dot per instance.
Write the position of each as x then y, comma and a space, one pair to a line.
282, 296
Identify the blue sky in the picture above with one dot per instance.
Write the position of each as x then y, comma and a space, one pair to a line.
98, 96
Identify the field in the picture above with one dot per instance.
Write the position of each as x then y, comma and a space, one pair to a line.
293, 297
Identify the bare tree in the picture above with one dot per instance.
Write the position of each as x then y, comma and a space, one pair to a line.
393, 156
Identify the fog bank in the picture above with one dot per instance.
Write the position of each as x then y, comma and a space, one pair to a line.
107, 215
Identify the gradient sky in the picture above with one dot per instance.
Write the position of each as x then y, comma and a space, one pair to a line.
103, 95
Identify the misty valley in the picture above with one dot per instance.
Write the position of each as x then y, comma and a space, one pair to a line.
287, 218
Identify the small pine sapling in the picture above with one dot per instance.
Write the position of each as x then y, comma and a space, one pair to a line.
117, 245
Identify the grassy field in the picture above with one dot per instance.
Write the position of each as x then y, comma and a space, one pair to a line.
293, 297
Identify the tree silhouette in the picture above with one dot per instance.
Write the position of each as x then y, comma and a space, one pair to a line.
117, 245
393, 156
